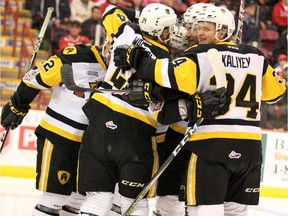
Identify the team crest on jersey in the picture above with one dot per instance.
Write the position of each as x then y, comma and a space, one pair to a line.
111, 125
63, 176
234, 155
70, 50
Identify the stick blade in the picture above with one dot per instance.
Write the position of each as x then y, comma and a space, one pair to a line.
67, 77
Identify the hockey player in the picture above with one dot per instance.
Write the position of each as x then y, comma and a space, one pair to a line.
228, 148
59, 133
118, 142
177, 43
168, 187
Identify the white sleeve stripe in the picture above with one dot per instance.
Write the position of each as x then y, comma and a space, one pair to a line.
164, 70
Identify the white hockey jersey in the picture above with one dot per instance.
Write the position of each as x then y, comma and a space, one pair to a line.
250, 80
64, 115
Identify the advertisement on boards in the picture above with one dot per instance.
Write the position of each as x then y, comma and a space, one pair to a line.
18, 157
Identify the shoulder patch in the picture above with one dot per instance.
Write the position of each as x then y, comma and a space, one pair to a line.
30, 75
70, 50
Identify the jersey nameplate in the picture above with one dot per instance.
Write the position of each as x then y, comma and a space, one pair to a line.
236, 62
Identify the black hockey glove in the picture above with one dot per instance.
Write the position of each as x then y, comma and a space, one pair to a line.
142, 93
206, 105
129, 56
157, 94
13, 112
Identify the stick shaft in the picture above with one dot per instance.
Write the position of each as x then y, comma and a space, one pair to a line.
30, 63
40, 37
215, 59
240, 22
163, 167
3, 139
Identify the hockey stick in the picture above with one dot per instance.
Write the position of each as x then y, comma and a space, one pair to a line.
217, 65
3, 139
216, 62
240, 22
40, 37
163, 167
68, 80
33, 56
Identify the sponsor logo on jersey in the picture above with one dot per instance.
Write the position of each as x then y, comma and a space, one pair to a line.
111, 125
63, 176
92, 73
234, 155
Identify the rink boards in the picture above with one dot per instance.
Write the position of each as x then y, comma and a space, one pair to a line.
18, 158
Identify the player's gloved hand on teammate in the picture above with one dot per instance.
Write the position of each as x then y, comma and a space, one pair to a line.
129, 56
206, 105
142, 93
13, 112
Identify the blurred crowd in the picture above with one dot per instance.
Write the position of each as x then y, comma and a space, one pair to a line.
264, 26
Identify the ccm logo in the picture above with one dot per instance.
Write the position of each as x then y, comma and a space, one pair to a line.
252, 190
133, 184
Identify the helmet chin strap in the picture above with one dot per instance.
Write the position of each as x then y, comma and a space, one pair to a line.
166, 40
219, 40
163, 41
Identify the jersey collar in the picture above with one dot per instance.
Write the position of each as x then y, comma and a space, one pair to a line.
155, 43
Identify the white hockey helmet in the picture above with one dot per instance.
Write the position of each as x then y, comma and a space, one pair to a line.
178, 38
222, 18
155, 17
190, 15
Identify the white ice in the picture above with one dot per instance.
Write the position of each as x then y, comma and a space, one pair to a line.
18, 197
